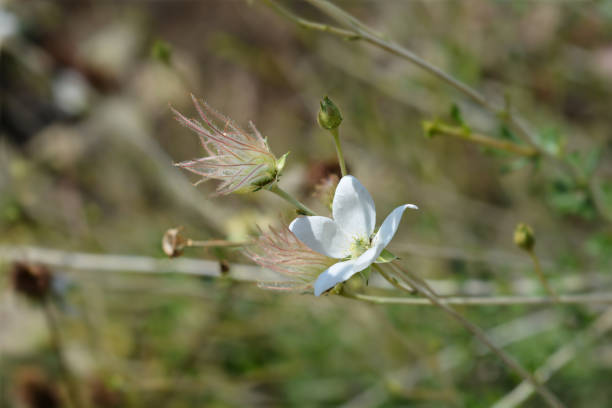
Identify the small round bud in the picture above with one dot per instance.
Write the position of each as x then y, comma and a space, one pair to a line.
173, 242
523, 237
329, 115
32, 281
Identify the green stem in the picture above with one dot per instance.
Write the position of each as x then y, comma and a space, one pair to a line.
313, 25
75, 398
434, 128
538, 270
548, 396
392, 280
216, 243
288, 197
336, 135
601, 298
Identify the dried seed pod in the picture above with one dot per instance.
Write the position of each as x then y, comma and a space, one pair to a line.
173, 242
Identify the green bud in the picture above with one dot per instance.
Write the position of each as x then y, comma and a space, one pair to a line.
162, 52
523, 237
329, 115
280, 164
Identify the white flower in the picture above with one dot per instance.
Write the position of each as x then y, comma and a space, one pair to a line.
350, 235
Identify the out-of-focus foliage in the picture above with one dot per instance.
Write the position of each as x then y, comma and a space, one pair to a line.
87, 143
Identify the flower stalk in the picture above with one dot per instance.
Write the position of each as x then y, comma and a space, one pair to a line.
579, 299
330, 118
524, 238
336, 136
275, 188
540, 274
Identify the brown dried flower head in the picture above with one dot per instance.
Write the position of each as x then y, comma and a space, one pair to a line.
32, 281
173, 242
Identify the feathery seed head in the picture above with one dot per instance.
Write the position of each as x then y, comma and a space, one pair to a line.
241, 160
281, 251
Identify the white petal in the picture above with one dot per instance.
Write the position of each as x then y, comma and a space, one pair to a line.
389, 226
338, 272
321, 234
368, 257
353, 208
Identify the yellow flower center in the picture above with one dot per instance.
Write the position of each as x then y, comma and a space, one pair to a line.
359, 246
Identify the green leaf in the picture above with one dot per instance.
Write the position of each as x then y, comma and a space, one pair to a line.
280, 163
455, 113
515, 165
385, 257
585, 162
552, 141
507, 134
569, 199
365, 274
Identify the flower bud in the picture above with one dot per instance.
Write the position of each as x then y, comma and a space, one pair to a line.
32, 281
523, 237
329, 115
173, 242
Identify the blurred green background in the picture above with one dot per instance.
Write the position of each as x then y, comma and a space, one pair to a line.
87, 143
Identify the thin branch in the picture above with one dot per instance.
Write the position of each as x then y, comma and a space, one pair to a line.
546, 394
313, 25
250, 273
557, 360
487, 301
275, 188
455, 355
435, 128
132, 263
216, 243
363, 32
394, 282
540, 273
